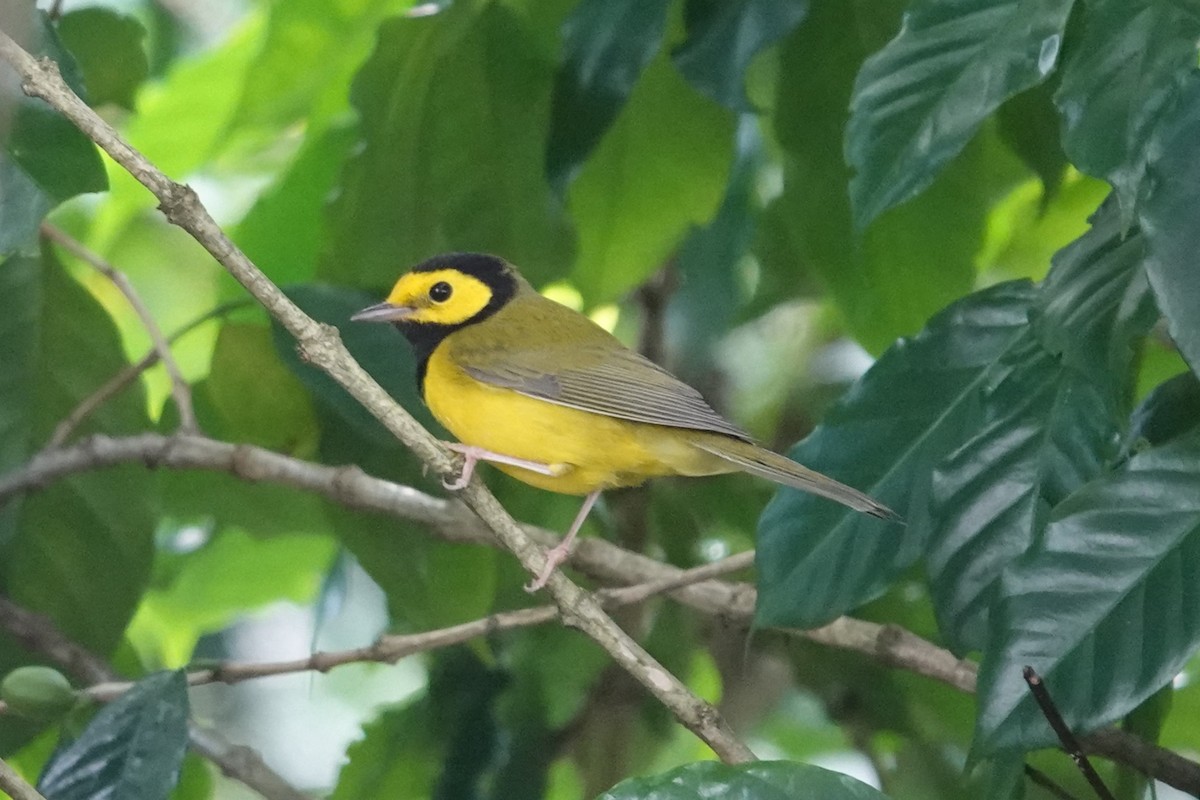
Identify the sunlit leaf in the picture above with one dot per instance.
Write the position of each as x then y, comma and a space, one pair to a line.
453, 109
648, 182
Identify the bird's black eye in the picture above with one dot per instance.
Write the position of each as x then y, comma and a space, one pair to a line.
440, 292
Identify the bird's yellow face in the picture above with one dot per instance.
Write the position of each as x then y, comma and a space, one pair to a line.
441, 297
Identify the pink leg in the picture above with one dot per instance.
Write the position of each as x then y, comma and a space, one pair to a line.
559, 553
473, 455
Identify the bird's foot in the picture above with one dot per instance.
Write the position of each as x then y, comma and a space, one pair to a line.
555, 557
473, 455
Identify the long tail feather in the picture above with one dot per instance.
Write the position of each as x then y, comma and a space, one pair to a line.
780, 469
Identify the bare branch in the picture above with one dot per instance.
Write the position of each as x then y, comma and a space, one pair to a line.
321, 345
16, 786
1064, 733
180, 391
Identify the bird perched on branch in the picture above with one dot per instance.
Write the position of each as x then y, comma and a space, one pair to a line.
556, 401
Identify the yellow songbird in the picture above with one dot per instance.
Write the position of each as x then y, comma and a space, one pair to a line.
555, 400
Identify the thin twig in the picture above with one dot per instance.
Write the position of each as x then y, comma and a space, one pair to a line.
16, 786
1065, 735
128, 374
321, 345
392, 648
179, 387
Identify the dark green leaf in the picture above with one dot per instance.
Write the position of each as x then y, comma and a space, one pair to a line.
1096, 302
380, 349
817, 560
703, 308
1029, 124
1042, 431
723, 38
108, 47
1049, 421
1170, 219
439, 746
1170, 410
762, 780
648, 183
606, 45
919, 101
45, 159
106, 517
1116, 564
1119, 79
453, 110
133, 748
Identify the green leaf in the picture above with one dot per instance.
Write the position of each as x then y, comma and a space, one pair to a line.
1043, 430
284, 233
310, 51
606, 45
909, 263
1119, 79
649, 181
260, 401
1170, 218
108, 47
1049, 421
1117, 564
762, 780
1170, 410
1029, 124
44, 159
723, 38
817, 560
133, 747
919, 100
103, 517
1096, 301
453, 109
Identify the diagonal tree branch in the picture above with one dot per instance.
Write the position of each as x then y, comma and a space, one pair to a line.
16, 786
321, 345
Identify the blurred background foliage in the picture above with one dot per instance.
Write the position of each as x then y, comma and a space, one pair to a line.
991, 210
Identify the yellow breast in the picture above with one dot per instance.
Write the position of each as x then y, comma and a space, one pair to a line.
591, 451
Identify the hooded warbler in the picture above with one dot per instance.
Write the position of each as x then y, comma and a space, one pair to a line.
556, 401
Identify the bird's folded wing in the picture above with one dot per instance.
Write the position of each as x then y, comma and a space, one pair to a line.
613, 382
